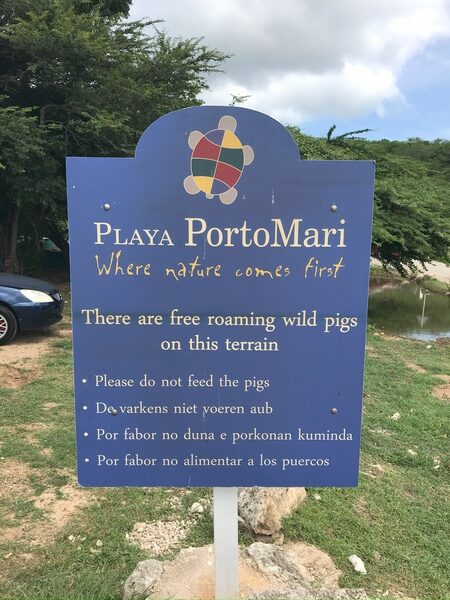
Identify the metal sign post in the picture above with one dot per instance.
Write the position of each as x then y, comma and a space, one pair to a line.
226, 543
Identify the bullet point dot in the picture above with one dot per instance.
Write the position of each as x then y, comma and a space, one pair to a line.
85, 434
86, 460
342, 221
84, 407
84, 381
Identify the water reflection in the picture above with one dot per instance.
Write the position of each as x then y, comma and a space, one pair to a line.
403, 308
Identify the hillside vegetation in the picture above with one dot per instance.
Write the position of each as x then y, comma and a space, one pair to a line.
412, 193
79, 79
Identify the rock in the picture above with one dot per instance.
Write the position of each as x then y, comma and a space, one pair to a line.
299, 593
197, 508
376, 470
271, 560
189, 575
158, 537
263, 508
243, 525
276, 538
395, 417
142, 580
300, 572
99, 543
294, 594
358, 564
175, 503
316, 566
297, 571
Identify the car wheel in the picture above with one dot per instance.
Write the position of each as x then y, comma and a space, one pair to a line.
8, 325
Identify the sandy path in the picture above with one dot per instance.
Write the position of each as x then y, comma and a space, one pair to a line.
439, 271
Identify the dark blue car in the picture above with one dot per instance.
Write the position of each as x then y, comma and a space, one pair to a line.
27, 303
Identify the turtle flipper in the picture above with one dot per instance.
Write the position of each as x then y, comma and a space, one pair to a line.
249, 155
229, 196
228, 123
190, 186
194, 138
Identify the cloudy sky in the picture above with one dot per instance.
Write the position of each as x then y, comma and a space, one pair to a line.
383, 64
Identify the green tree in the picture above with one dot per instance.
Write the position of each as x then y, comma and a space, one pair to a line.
106, 8
412, 204
77, 79
21, 145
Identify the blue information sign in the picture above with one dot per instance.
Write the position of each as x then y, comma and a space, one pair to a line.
219, 293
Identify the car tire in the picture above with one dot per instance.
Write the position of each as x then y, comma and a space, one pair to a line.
8, 325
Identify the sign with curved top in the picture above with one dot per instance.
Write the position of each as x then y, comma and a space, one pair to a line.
219, 297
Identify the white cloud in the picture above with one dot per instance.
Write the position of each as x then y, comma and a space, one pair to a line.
303, 59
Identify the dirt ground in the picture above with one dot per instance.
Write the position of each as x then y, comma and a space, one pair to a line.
442, 391
52, 509
20, 362
56, 508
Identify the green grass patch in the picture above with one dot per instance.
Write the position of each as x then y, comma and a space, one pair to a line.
434, 285
396, 521
380, 271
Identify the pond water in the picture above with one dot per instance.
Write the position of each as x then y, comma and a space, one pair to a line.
402, 308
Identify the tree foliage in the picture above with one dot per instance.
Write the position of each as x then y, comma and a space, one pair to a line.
349, 135
106, 8
412, 194
77, 79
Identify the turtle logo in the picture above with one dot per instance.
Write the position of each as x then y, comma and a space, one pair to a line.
218, 159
